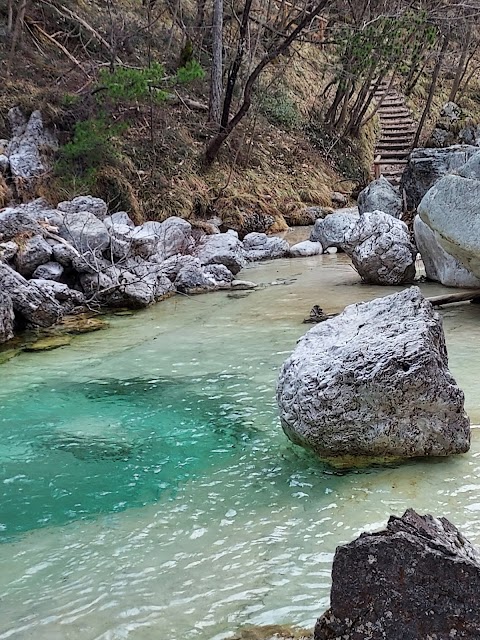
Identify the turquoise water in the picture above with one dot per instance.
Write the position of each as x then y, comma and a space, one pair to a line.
149, 492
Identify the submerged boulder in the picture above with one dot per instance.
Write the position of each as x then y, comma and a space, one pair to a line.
440, 265
380, 196
380, 248
374, 381
419, 578
452, 210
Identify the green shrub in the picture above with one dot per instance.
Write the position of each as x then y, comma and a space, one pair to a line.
189, 72
280, 109
134, 84
92, 147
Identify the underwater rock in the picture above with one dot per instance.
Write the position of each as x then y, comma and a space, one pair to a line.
418, 578
374, 381
48, 343
272, 632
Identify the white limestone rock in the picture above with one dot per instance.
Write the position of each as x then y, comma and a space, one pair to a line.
374, 381
96, 206
331, 231
305, 249
32, 253
440, 265
259, 246
29, 151
380, 248
222, 248
451, 208
85, 232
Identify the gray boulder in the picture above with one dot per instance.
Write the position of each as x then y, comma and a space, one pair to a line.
68, 298
452, 210
85, 232
195, 278
426, 166
37, 307
96, 206
380, 196
222, 248
259, 246
175, 237
31, 254
417, 579
15, 221
331, 231
380, 248
120, 217
440, 265
144, 239
30, 149
49, 271
374, 381
305, 249
64, 253
471, 169
172, 266
8, 250
7, 317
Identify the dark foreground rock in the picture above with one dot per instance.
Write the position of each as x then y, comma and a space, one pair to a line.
419, 579
374, 381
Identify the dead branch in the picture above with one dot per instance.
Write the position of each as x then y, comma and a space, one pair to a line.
451, 298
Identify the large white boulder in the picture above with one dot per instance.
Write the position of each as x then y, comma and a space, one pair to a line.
440, 265
374, 381
85, 232
305, 249
381, 250
451, 208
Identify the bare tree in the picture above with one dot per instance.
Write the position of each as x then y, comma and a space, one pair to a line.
216, 74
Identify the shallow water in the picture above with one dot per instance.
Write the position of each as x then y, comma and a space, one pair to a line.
149, 492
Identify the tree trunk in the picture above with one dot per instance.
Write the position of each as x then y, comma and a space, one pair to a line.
216, 74
217, 141
10, 16
433, 86
235, 68
461, 65
17, 32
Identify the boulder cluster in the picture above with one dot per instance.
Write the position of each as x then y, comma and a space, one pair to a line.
55, 261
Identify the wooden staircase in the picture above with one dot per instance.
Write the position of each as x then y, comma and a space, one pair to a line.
396, 136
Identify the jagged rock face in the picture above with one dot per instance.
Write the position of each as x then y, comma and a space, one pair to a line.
222, 248
440, 265
471, 169
28, 150
6, 317
417, 579
380, 196
452, 210
374, 381
380, 248
426, 166
331, 231
259, 246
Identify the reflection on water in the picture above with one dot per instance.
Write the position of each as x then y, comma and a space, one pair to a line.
149, 492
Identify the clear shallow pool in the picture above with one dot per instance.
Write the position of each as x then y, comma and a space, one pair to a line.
148, 490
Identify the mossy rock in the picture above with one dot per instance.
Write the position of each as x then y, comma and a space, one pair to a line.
273, 632
48, 343
76, 325
8, 354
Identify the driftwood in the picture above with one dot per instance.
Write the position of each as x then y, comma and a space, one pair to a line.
451, 298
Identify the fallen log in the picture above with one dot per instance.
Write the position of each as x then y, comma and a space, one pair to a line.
451, 298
